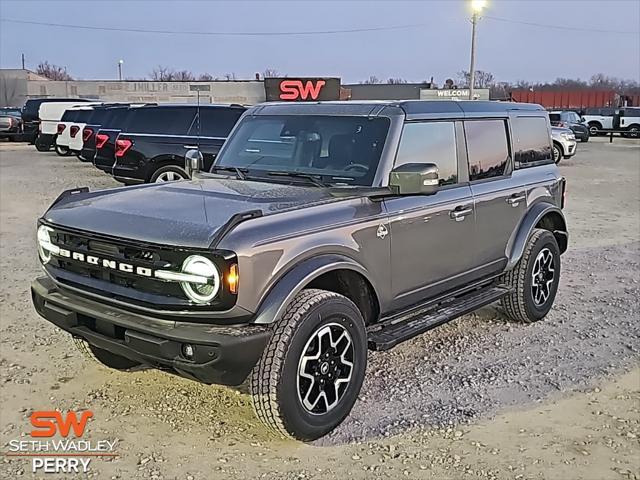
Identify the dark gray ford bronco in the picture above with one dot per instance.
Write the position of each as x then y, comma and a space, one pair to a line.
321, 231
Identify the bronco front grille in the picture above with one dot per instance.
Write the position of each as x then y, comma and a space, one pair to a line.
109, 280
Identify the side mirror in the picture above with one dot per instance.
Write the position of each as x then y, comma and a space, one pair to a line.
193, 161
583, 120
415, 179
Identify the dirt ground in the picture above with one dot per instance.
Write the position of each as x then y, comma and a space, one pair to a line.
477, 398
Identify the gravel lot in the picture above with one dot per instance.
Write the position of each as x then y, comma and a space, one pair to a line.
477, 398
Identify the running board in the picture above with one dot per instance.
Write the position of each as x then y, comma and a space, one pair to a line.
397, 329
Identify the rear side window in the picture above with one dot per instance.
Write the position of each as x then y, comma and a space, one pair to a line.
117, 118
531, 141
430, 142
488, 148
216, 122
159, 120
83, 116
69, 116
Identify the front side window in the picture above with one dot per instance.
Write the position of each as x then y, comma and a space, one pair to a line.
341, 149
430, 142
487, 147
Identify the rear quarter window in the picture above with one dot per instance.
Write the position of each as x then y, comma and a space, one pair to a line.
159, 120
531, 141
69, 116
217, 122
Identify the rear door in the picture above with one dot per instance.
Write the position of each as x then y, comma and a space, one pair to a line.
213, 129
500, 203
432, 248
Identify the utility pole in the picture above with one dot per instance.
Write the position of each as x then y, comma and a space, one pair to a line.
472, 76
120, 62
23, 61
476, 6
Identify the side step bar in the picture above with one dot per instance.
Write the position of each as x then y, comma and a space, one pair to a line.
397, 329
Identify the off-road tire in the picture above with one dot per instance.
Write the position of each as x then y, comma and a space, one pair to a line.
274, 380
104, 358
62, 151
168, 170
519, 305
42, 148
595, 129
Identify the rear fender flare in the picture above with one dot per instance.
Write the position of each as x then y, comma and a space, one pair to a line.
292, 282
528, 224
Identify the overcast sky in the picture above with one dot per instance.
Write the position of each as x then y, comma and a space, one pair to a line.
438, 46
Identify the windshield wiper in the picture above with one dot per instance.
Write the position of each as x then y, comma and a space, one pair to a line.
307, 176
240, 172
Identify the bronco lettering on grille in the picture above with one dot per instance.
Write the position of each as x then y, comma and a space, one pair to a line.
106, 263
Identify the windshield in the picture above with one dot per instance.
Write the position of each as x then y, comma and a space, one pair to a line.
338, 149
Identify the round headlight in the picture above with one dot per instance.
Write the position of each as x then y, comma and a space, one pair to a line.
203, 267
44, 243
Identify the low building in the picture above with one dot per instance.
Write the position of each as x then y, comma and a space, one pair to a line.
16, 86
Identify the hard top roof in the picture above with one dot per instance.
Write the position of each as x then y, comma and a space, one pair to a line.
411, 108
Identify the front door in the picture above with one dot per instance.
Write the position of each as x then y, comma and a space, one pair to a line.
432, 247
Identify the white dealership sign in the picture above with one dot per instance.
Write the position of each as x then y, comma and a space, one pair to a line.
453, 94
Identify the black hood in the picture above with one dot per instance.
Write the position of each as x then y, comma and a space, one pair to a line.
186, 213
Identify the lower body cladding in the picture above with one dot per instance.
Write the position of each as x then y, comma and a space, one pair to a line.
221, 354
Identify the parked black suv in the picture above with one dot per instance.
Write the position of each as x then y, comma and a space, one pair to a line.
31, 118
570, 119
100, 116
152, 146
105, 139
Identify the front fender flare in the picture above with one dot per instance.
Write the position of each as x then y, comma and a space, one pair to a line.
274, 303
531, 219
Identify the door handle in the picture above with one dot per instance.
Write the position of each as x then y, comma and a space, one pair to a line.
515, 199
191, 147
459, 213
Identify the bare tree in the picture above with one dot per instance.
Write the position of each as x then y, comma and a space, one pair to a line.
52, 72
162, 74
396, 81
206, 77
482, 79
271, 73
183, 76
372, 80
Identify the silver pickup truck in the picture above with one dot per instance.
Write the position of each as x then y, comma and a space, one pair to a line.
321, 230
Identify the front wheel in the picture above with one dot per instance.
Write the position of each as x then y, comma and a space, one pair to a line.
534, 280
312, 369
633, 131
557, 153
170, 173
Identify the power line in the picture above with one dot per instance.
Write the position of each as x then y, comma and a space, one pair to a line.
308, 33
229, 34
561, 27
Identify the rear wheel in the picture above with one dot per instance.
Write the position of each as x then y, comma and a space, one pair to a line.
312, 369
169, 173
42, 148
534, 280
103, 357
633, 131
62, 151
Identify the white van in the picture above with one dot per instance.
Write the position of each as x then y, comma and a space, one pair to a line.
50, 114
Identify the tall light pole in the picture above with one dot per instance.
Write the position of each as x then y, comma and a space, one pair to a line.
120, 62
476, 7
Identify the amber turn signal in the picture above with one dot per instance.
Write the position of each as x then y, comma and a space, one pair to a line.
232, 278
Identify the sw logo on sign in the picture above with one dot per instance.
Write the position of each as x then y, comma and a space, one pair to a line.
48, 422
296, 89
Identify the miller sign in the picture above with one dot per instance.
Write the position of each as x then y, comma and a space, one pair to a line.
301, 89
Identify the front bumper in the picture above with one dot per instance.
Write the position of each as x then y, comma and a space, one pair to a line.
569, 147
222, 354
